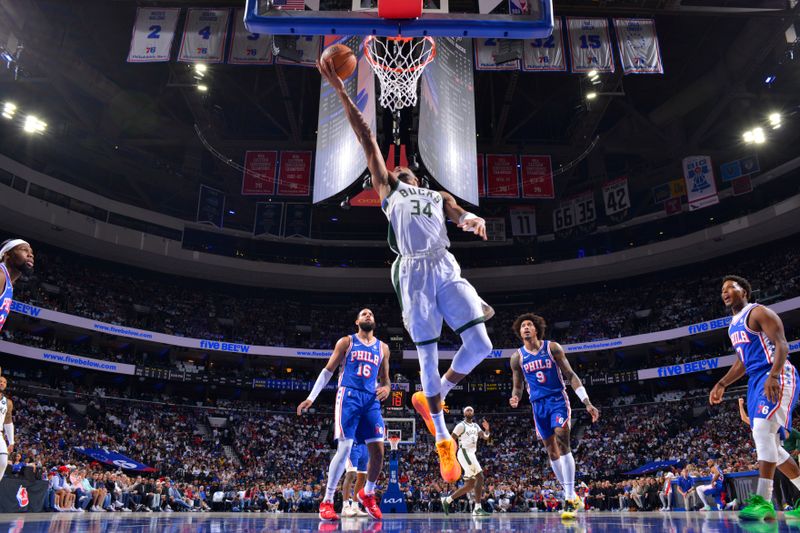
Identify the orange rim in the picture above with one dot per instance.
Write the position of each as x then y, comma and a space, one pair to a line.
431, 54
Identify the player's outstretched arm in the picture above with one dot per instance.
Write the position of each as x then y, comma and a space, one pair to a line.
466, 221
516, 379
382, 179
566, 371
385, 388
733, 375
327, 373
769, 322
485, 433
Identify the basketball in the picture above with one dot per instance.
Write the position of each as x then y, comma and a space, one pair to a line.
344, 60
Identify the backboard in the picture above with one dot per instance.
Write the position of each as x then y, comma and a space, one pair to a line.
508, 19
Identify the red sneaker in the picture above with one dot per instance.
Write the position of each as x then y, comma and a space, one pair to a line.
370, 504
327, 513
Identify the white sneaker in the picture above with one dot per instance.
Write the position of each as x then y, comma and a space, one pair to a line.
706, 508
359, 512
349, 511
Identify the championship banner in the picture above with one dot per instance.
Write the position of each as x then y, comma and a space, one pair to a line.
113, 459
268, 219
204, 35
637, 43
309, 49
742, 186
210, 206
490, 54
590, 45
294, 178
615, 196
297, 222
481, 176
501, 176
523, 221
537, 176
153, 32
248, 48
700, 185
545, 55
260, 169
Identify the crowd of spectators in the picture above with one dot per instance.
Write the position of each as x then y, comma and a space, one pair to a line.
120, 295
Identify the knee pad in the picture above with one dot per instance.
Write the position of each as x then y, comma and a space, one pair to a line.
429, 369
475, 348
764, 433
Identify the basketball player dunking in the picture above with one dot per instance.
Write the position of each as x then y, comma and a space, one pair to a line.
426, 277
757, 335
545, 368
362, 361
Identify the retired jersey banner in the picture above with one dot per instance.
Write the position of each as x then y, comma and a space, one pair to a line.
204, 35
701, 188
248, 48
615, 196
308, 47
297, 222
523, 221
210, 206
584, 211
537, 176
501, 174
545, 55
153, 32
481, 176
259, 172
638, 46
589, 44
295, 174
268, 219
489, 54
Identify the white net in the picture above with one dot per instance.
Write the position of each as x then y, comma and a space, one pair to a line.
398, 62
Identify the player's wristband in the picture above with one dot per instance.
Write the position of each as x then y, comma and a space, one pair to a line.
9, 430
581, 392
322, 380
467, 216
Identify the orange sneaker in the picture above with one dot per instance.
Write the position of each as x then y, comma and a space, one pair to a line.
420, 403
370, 503
448, 464
327, 513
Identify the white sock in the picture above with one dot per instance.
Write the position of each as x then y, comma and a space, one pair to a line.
764, 488
369, 487
446, 386
558, 470
336, 468
441, 427
478, 505
449, 499
568, 466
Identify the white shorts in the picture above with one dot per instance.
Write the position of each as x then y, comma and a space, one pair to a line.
469, 463
3, 447
430, 288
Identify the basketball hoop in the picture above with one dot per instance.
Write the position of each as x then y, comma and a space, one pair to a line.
398, 62
394, 442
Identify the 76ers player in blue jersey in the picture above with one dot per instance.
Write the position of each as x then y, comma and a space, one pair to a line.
542, 366
16, 258
757, 335
362, 361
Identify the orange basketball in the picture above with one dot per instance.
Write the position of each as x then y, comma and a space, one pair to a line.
344, 60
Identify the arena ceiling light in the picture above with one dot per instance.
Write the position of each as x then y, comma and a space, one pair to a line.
200, 70
775, 120
202, 88
9, 109
754, 136
591, 96
34, 125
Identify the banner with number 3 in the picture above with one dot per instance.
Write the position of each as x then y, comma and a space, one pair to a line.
153, 32
248, 48
590, 45
204, 35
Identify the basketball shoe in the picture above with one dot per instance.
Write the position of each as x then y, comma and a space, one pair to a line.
448, 464
327, 513
420, 403
370, 504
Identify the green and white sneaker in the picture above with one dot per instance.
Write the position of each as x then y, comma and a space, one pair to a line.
445, 506
793, 514
757, 508
479, 511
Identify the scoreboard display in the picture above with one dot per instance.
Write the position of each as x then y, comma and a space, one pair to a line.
397, 400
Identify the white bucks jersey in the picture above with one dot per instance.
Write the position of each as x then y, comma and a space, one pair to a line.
467, 433
416, 220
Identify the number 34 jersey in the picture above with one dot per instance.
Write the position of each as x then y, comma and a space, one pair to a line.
416, 220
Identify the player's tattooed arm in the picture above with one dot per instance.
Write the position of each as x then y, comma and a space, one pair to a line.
463, 218
382, 179
569, 375
517, 380
385, 388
